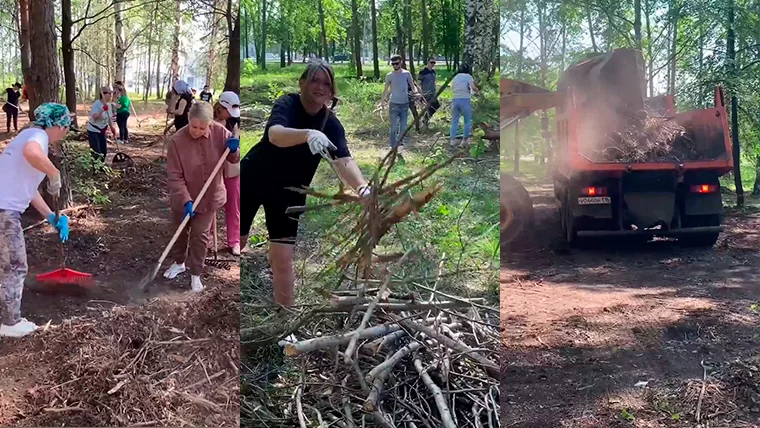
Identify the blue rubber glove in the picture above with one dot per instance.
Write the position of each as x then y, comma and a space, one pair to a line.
189, 209
62, 226
233, 144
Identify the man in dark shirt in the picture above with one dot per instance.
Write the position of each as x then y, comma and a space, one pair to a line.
11, 107
300, 128
206, 95
427, 78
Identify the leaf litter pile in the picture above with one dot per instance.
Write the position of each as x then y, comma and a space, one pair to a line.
161, 364
380, 350
728, 396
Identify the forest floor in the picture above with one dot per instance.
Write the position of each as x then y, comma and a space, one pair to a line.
654, 335
455, 232
117, 238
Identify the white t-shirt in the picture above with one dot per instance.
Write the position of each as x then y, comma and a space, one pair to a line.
460, 86
105, 120
19, 178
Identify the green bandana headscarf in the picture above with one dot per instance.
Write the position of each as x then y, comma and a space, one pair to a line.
52, 114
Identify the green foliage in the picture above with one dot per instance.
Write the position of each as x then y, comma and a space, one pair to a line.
626, 415
88, 177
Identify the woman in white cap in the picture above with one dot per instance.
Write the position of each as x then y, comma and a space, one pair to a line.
100, 120
180, 108
227, 113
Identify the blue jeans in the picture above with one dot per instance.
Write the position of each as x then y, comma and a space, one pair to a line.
463, 107
399, 115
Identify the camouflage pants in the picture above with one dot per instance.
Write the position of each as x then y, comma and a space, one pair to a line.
13, 266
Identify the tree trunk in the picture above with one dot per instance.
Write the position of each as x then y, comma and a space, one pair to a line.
121, 43
175, 43
44, 81
400, 45
477, 35
323, 31
591, 29
159, 95
650, 60
232, 80
149, 64
674, 46
520, 61
425, 32
67, 52
263, 44
375, 51
732, 72
357, 48
23, 38
409, 34
212, 47
637, 23
543, 59
756, 187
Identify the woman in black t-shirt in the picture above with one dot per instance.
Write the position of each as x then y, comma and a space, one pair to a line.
300, 128
11, 107
182, 106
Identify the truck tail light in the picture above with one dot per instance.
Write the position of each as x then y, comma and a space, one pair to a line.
704, 188
594, 191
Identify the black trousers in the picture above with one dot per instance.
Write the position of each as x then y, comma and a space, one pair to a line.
121, 121
11, 113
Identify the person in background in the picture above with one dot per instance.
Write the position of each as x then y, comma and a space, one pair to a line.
123, 104
100, 120
227, 113
427, 77
24, 164
11, 106
192, 154
462, 86
398, 83
183, 101
206, 95
301, 130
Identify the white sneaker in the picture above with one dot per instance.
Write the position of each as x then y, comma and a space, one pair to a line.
174, 270
195, 284
236, 250
20, 329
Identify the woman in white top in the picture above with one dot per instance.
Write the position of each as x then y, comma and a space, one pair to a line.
101, 119
24, 164
462, 86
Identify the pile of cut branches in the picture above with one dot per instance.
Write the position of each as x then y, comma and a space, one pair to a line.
381, 350
647, 138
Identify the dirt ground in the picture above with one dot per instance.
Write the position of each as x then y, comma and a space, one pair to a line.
622, 335
117, 243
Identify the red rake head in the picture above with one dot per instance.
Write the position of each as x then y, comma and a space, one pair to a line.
66, 276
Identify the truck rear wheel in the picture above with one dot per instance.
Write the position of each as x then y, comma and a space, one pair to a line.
568, 223
517, 217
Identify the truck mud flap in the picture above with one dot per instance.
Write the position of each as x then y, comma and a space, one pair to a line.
647, 209
703, 204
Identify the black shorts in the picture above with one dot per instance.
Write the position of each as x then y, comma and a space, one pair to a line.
282, 228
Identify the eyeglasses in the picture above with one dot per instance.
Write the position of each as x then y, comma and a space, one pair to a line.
395, 63
432, 63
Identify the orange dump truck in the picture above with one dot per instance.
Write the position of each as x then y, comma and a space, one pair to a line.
676, 193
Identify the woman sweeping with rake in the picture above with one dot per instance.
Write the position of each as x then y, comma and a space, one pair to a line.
191, 156
23, 165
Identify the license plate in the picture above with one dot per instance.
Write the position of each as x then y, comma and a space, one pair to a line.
594, 200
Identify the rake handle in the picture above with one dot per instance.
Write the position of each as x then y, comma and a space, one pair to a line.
60, 243
187, 218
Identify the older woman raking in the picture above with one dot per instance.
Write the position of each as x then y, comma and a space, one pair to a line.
192, 154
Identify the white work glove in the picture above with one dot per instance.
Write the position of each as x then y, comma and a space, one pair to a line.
318, 142
54, 185
364, 191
